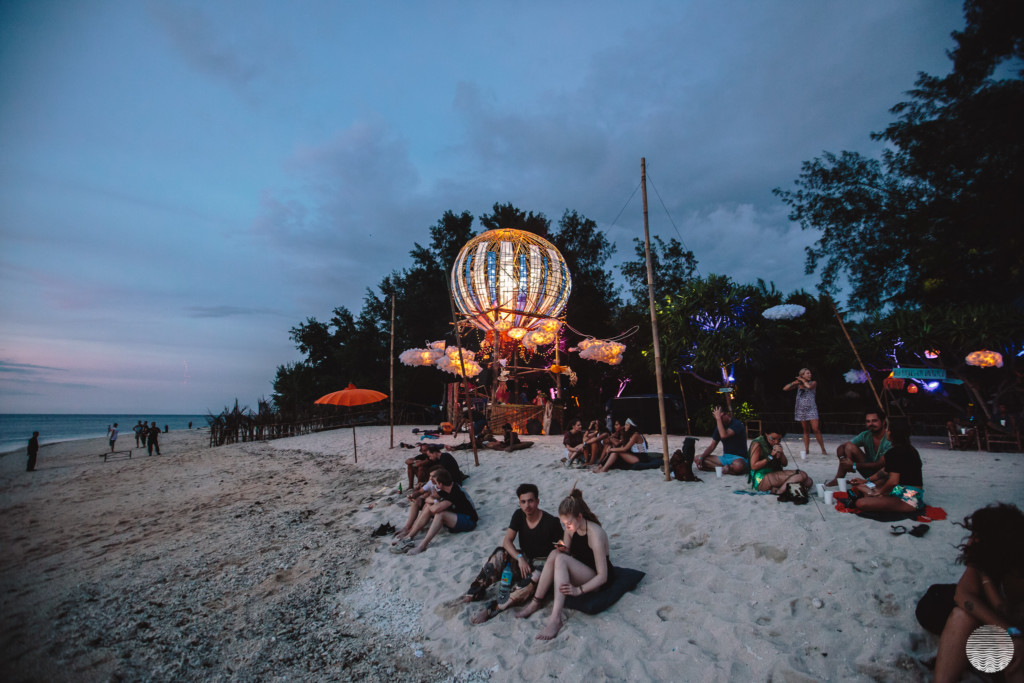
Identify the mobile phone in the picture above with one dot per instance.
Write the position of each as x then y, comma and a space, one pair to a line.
871, 484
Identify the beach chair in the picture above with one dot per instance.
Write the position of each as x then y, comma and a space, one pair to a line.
996, 440
963, 438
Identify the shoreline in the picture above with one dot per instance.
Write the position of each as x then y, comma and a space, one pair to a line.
255, 561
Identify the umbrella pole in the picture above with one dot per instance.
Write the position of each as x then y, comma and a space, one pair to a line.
355, 449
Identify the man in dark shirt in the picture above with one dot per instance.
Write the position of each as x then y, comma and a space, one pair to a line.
733, 436
33, 450
537, 532
454, 510
153, 439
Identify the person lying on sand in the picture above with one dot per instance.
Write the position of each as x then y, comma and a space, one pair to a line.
991, 590
733, 436
580, 564
537, 531
898, 487
510, 441
767, 463
453, 510
632, 450
864, 453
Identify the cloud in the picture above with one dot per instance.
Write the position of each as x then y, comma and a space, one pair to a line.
205, 44
26, 369
227, 311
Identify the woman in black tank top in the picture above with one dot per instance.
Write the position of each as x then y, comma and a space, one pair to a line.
580, 564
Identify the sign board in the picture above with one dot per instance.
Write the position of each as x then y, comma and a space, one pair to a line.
919, 373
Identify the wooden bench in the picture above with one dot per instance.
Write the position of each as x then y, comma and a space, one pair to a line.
110, 454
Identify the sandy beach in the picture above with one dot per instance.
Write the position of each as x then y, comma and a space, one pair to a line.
255, 562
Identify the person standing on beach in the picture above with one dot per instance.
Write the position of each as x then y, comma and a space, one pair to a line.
139, 430
153, 439
33, 450
113, 437
806, 408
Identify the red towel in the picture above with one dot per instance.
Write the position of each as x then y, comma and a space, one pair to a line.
931, 514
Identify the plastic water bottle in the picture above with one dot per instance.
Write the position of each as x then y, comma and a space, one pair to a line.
505, 587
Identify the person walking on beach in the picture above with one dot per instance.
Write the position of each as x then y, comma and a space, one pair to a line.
33, 450
113, 436
153, 439
806, 412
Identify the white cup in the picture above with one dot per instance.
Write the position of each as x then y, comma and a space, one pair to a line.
821, 489
830, 498
963, 430
803, 455
718, 472
842, 484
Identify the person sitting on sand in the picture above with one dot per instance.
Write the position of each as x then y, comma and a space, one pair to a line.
864, 453
632, 451
899, 487
510, 441
991, 590
537, 531
435, 456
767, 463
414, 466
593, 441
424, 494
733, 436
453, 510
580, 564
573, 442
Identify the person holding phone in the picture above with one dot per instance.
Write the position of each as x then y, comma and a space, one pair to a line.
580, 562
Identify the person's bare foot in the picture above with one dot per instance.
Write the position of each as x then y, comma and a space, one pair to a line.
486, 613
416, 551
530, 608
550, 630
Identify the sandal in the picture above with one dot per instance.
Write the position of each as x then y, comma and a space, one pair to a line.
897, 529
403, 546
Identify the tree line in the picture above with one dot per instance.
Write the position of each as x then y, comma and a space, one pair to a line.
926, 237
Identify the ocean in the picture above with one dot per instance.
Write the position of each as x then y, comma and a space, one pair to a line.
16, 430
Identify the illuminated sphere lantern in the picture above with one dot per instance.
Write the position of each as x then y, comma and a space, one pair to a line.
510, 281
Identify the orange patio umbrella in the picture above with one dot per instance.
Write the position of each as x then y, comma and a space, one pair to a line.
351, 396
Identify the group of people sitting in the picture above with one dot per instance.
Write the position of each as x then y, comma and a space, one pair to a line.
436, 499
546, 562
601, 449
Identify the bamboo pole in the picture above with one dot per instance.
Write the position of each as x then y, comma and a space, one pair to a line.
355, 449
465, 380
878, 400
686, 411
654, 322
391, 401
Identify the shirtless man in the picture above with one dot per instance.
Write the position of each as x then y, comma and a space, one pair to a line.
864, 453
733, 436
537, 532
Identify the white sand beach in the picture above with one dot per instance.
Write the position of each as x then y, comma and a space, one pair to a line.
255, 561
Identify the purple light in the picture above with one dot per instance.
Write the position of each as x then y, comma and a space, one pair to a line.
932, 386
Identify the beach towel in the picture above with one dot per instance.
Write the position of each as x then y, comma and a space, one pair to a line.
593, 603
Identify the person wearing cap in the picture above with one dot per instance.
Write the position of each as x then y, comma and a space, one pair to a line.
733, 436
632, 451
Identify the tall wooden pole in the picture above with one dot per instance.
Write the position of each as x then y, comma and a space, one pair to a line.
391, 391
558, 377
871, 384
465, 380
654, 323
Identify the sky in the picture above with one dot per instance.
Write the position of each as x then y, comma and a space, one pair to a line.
183, 182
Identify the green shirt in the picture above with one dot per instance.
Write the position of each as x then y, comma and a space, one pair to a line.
866, 441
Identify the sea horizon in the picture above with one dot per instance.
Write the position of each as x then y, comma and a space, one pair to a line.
16, 428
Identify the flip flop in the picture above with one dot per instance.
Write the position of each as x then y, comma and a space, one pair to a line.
897, 529
919, 530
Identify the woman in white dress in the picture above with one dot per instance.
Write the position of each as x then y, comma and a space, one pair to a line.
806, 408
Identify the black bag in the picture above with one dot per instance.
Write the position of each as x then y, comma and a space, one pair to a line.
935, 607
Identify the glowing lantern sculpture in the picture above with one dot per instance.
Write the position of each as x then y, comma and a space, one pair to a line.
985, 359
609, 352
510, 280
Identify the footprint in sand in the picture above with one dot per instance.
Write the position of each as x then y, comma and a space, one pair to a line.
692, 543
